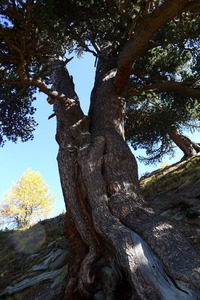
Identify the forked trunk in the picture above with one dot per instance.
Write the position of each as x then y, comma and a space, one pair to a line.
188, 147
120, 248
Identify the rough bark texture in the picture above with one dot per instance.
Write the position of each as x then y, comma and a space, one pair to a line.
113, 230
117, 238
121, 245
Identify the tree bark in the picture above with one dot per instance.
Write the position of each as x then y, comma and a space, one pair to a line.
117, 239
188, 147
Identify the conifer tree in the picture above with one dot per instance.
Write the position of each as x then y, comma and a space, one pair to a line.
139, 46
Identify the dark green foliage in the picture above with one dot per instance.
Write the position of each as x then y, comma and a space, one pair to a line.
151, 117
35, 32
24, 35
152, 107
16, 112
98, 24
24, 52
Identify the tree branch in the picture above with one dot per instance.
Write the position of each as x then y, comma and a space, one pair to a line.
168, 86
142, 34
193, 6
42, 87
49, 92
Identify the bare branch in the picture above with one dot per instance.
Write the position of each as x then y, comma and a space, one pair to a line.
88, 49
49, 92
51, 116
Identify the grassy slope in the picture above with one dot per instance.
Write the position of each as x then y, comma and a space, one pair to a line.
180, 175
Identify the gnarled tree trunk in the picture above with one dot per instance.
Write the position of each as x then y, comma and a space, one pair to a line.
117, 239
188, 147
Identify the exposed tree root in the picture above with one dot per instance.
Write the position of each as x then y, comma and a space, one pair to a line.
140, 264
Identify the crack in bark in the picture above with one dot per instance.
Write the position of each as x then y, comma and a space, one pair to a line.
111, 227
101, 191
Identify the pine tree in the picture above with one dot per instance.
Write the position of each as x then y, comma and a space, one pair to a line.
111, 227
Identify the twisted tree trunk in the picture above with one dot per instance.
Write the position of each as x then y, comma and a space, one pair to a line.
188, 147
117, 239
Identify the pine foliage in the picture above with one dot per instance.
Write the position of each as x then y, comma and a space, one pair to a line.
164, 83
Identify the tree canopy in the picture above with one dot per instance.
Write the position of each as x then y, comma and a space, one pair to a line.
28, 200
146, 59
152, 114
163, 84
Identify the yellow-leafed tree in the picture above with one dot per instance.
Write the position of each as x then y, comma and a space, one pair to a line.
28, 200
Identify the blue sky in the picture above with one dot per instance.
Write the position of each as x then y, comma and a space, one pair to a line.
40, 154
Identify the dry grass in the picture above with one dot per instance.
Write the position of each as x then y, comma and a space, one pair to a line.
171, 177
